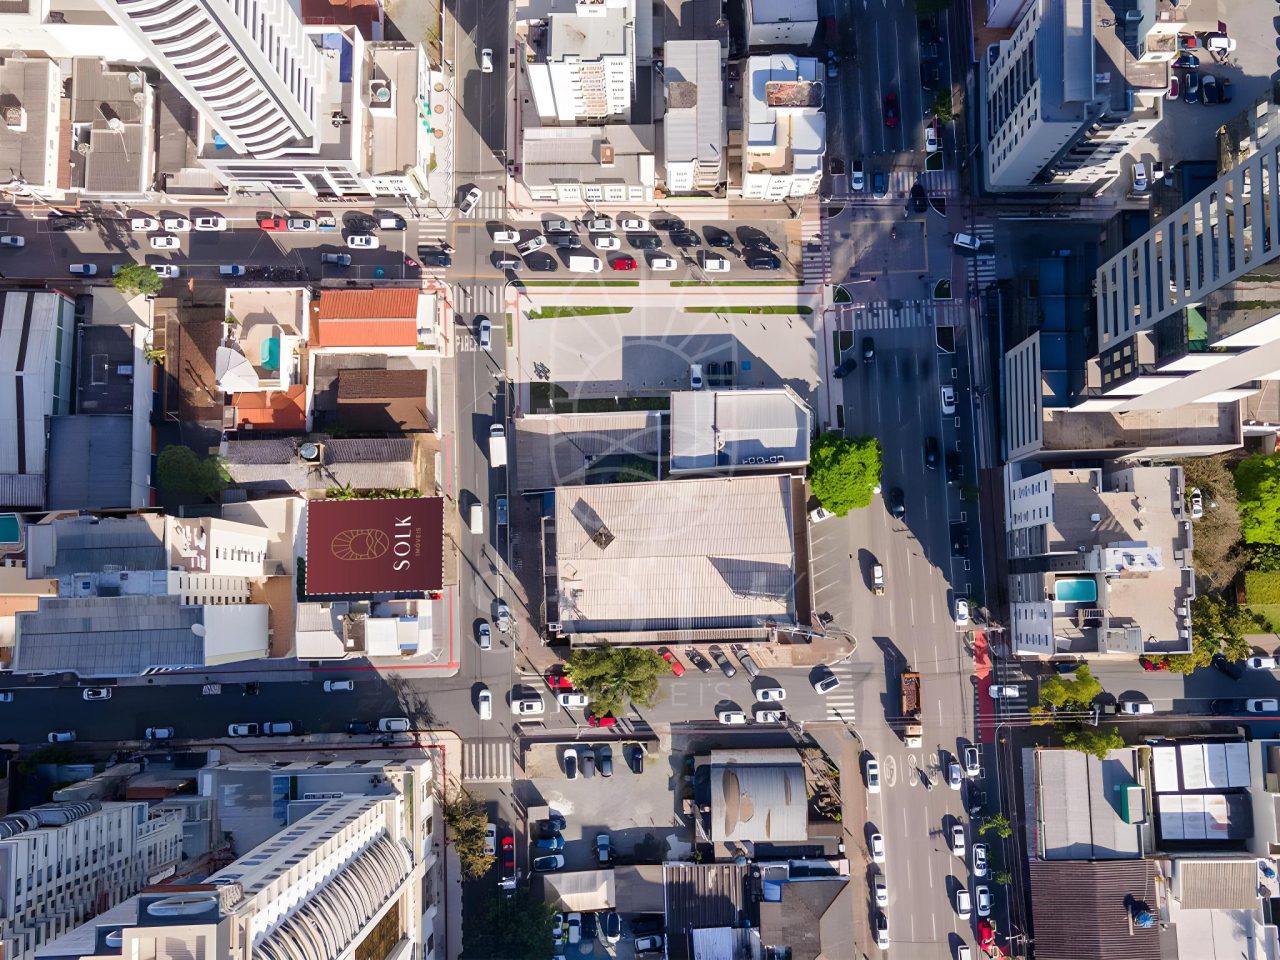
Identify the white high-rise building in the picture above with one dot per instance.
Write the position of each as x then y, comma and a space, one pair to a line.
63, 862
582, 65
247, 66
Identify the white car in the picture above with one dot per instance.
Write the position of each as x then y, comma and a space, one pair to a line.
882, 931
873, 775
1136, 708
167, 270
1138, 177
979, 859
506, 236
771, 694
394, 725
301, 224
765, 715
818, 514
882, 890
484, 703
12, 240
962, 612
964, 906
606, 243
972, 761
877, 848
826, 684
1262, 706
469, 201
231, 270
633, 224
503, 617
967, 241
530, 245
62, 736
242, 730
165, 242
491, 840
485, 637
213, 223
957, 840
573, 699
712, 262
339, 686
1197, 503
83, 269
931, 138
857, 177
598, 224
97, 693
486, 63
662, 263
176, 224
1005, 691
982, 895
144, 224
732, 718
955, 776
948, 400
1261, 663
528, 706
159, 733
362, 241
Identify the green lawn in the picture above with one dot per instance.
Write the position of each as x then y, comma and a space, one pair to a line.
1270, 612
548, 312
781, 308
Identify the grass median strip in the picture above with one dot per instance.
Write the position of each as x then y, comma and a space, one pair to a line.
581, 283
738, 283
773, 308
547, 312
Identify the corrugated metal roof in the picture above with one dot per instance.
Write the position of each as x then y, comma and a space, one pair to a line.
695, 132
88, 544
91, 462
693, 430
702, 896
675, 554
22, 489
759, 802
1076, 802
1217, 884
1081, 909
556, 450
738, 429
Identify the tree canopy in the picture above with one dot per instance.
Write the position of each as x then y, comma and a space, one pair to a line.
1075, 691
845, 472
518, 926
1098, 741
467, 821
999, 825
1258, 486
1216, 627
615, 676
134, 278
179, 470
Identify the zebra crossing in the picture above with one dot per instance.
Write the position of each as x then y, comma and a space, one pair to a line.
486, 298
982, 268
902, 314
492, 205
487, 761
841, 703
431, 232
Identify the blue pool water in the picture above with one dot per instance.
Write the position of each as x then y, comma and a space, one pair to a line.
1075, 591
10, 528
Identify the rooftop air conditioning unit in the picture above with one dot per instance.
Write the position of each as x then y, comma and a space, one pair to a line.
309, 452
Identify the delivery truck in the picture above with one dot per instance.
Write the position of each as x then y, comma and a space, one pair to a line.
497, 445
912, 730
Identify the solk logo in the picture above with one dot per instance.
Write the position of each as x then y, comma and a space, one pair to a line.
369, 543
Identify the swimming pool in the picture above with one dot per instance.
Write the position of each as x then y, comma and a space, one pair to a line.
1075, 590
10, 528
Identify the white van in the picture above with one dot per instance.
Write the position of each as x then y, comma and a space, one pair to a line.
477, 518
391, 223
585, 264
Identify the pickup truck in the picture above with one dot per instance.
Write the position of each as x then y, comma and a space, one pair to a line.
877, 580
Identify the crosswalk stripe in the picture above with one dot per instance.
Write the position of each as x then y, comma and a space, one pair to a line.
486, 760
902, 314
982, 268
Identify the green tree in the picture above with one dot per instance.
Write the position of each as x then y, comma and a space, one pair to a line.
467, 822
135, 278
999, 825
178, 470
615, 676
926, 8
1263, 556
1258, 485
1075, 691
1002, 877
1098, 741
514, 926
845, 472
943, 107
1217, 626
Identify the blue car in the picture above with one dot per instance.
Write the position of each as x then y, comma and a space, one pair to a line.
1191, 87
880, 184
555, 842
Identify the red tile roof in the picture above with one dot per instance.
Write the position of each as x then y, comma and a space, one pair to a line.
365, 318
273, 410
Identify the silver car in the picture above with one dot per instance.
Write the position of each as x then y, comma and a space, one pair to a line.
469, 202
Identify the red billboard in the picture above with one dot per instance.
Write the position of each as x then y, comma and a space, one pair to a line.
375, 546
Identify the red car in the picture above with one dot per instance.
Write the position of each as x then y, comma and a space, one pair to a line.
890, 109
508, 852
607, 720
676, 666
273, 223
1149, 664
559, 682
623, 263
986, 934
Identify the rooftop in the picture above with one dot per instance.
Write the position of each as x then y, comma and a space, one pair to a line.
560, 449
282, 410
382, 401
30, 85
278, 465
694, 126
554, 155
589, 38
112, 117
812, 916
396, 131
785, 128
374, 546
1082, 910
704, 896
764, 802
708, 554
388, 317
1077, 805
734, 430
88, 544
105, 378
1156, 431
91, 462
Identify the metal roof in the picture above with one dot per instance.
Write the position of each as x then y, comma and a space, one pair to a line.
1077, 813
363, 464
89, 544
694, 124
91, 462
557, 449
765, 802
1082, 910
1216, 884
738, 429
677, 554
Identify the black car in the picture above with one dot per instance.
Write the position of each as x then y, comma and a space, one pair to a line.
928, 27
71, 224
646, 923
897, 503
919, 199
763, 261
868, 350
959, 540
931, 453
588, 926
435, 258
1223, 707
1225, 92
635, 759
955, 467
727, 668
604, 761
718, 238
565, 241
667, 223
541, 262
930, 74
555, 823
645, 241
358, 727
697, 659
845, 368
1210, 92
1232, 670
685, 238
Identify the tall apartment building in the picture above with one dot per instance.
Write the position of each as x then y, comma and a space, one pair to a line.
1064, 99
1099, 562
247, 66
63, 862
784, 128
350, 874
581, 65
